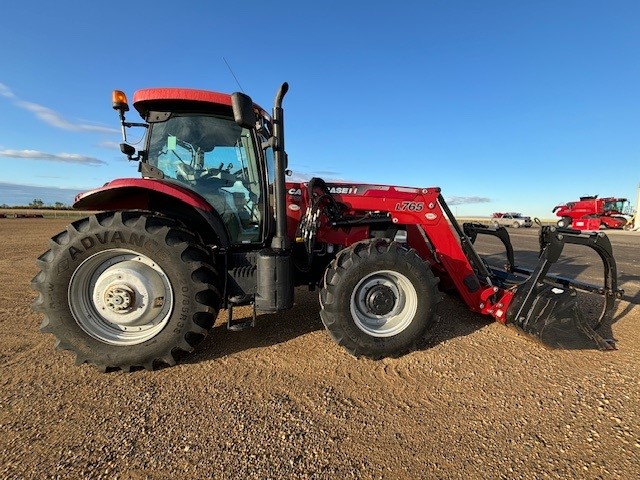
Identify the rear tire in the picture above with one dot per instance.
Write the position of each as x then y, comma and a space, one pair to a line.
378, 299
127, 290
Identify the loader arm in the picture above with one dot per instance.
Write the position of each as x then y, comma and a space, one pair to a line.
432, 231
541, 306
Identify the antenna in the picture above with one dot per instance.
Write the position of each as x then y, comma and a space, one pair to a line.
234, 75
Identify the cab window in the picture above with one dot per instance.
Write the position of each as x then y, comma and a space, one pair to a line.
216, 158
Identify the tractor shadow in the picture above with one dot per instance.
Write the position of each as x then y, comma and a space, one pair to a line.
631, 294
270, 329
452, 319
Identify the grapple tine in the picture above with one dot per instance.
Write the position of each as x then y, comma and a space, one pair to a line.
555, 319
547, 307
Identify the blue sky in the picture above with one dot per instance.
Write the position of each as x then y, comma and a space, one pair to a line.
506, 105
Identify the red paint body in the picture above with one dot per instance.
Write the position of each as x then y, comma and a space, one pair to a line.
132, 193
224, 229
419, 210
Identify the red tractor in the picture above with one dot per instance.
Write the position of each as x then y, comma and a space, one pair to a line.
214, 224
598, 212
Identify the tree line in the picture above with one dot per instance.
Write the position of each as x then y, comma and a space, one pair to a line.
38, 203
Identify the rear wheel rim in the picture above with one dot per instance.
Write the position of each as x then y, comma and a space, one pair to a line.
384, 303
120, 297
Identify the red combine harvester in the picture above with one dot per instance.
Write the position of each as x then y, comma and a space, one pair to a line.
214, 224
593, 213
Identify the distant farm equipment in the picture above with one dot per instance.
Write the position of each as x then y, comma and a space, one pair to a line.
595, 212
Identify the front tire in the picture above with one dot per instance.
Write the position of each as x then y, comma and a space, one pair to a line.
127, 290
378, 299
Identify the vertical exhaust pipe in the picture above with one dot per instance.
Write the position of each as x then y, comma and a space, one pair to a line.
280, 241
275, 290
275, 280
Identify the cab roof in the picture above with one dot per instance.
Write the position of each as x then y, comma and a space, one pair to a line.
143, 99
148, 99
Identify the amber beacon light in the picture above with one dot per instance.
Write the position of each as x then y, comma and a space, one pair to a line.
120, 100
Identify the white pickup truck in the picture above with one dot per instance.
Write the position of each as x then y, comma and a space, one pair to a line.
510, 219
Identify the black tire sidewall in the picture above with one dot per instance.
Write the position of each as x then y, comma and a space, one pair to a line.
391, 260
83, 245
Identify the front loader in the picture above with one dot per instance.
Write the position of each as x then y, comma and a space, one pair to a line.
213, 224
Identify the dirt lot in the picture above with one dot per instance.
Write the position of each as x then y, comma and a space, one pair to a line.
282, 401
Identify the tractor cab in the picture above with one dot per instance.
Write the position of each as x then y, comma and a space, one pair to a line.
194, 140
216, 158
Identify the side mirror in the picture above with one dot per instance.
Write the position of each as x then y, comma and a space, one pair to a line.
243, 112
128, 150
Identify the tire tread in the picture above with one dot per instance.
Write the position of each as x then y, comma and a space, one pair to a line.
176, 236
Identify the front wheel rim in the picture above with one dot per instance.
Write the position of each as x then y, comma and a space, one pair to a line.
384, 303
120, 297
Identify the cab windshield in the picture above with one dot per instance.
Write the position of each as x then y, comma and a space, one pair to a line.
618, 206
215, 157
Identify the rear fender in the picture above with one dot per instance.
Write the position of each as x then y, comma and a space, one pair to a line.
160, 196
114, 194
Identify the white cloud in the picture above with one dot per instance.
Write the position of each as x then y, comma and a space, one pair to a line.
299, 177
467, 200
60, 157
110, 145
51, 117
327, 176
5, 91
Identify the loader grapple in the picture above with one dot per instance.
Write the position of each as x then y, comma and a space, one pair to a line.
555, 319
547, 307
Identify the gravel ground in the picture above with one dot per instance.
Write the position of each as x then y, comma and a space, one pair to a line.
282, 401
